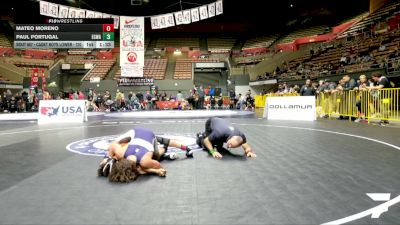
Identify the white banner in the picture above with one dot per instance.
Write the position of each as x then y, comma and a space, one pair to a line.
89, 14
203, 12
211, 10
163, 21
53, 10
116, 21
106, 15
218, 8
195, 14
98, 15
178, 18
44, 8
131, 71
81, 13
73, 12
63, 12
170, 20
155, 23
132, 44
187, 18
62, 111
290, 108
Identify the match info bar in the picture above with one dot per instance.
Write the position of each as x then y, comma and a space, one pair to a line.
63, 44
81, 34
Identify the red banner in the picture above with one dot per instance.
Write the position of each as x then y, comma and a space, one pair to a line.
167, 104
34, 77
44, 88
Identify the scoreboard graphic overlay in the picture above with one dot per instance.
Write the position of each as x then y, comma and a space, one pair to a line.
65, 33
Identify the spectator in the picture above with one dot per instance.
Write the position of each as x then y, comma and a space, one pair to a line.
307, 89
179, 96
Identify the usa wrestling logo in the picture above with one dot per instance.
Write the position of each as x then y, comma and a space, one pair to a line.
97, 146
49, 111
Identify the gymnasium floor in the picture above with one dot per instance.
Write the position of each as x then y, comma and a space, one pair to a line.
305, 173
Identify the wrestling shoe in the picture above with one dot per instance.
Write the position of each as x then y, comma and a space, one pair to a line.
189, 152
176, 155
199, 139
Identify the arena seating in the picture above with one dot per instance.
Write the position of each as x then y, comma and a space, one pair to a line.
316, 30
30, 63
388, 13
79, 51
259, 42
101, 67
177, 42
153, 68
328, 62
183, 67
220, 44
4, 42
4, 80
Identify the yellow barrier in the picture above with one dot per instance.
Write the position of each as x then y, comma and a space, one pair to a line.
259, 100
380, 104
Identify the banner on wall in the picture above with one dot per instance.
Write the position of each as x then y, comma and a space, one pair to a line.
63, 12
48, 9
211, 10
218, 8
129, 81
132, 45
203, 12
157, 22
195, 14
290, 108
131, 71
73, 12
116, 21
187, 18
178, 18
89, 14
34, 77
44, 83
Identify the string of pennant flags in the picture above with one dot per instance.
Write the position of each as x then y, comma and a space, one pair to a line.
157, 22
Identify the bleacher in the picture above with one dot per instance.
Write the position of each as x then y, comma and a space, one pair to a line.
4, 42
177, 42
311, 31
388, 13
29, 63
220, 44
259, 42
153, 68
6, 51
356, 48
79, 51
40, 53
184, 67
100, 69
4, 80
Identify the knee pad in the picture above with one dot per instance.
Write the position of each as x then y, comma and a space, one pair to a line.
163, 141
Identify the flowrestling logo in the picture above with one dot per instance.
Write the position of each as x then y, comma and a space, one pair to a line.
97, 146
